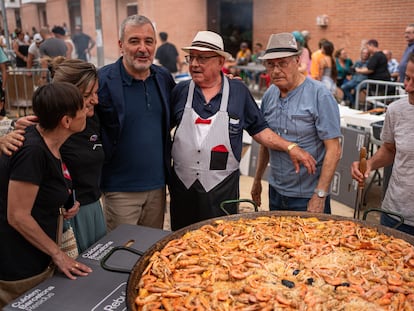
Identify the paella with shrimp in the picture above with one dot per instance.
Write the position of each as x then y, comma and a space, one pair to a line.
280, 263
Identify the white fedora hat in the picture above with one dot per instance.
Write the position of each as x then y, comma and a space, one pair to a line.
281, 45
208, 41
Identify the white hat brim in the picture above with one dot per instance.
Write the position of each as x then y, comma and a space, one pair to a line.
187, 49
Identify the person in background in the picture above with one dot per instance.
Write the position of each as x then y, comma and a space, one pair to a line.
134, 110
4, 76
343, 66
33, 188
33, 56
3, 42
315, 59
244, 55
377, 66
304, 56
167, 54
60, 33
392, 65
50, 48
27, 38
349, 87
376, 69
210, 112
397, 132
302, 111
228, 66
6, 124
409, 37
327, 68
83, 43
306, 36
20, 48
257, 52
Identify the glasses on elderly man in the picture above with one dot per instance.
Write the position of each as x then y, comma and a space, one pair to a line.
201, 59
271, 65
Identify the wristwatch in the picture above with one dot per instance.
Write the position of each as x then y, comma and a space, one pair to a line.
320, 193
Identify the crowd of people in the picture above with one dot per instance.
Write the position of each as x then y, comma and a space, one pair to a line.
106, 136
332, 65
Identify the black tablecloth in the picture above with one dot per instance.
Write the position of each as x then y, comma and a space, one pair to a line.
101, 290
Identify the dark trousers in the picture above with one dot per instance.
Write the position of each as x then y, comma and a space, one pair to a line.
188, 206
391, 222
278, 202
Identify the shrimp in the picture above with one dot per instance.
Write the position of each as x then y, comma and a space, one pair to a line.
154, 305
376, 292
239, 272
283, 300
394, 278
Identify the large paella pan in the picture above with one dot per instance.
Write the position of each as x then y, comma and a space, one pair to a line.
276, 260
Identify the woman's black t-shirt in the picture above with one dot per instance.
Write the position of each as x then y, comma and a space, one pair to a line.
35, 164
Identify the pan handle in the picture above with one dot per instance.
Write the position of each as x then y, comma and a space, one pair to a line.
364, 216
105, 266
222, 204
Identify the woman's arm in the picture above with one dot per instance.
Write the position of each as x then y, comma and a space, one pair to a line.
322, 65
21, 198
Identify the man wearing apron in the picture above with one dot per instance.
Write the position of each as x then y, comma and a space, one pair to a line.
210, 112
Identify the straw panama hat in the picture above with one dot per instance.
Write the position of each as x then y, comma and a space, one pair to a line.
281, 45
208, 41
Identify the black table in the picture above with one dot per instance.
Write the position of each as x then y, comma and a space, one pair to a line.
102, 289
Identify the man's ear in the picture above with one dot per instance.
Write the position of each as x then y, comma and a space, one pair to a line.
120, 47
222, 61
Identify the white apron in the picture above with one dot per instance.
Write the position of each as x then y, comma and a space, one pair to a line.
201, 148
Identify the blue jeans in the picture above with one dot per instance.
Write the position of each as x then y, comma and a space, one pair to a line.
347, 88
391, 222
278, 202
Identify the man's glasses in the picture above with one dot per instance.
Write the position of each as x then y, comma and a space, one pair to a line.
201, 59
271, 65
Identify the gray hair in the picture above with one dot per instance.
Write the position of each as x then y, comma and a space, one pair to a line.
134, 20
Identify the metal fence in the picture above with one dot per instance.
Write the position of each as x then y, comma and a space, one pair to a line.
21, 83
371, 94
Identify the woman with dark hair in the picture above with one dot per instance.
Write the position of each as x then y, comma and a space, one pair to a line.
20, 48
82, 153
327, 68
33, 187
343, 66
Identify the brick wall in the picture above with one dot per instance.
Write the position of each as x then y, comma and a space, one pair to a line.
60, 13
31, 17
349, 22
180, 19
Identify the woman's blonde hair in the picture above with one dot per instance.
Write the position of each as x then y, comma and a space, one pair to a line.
75, 71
